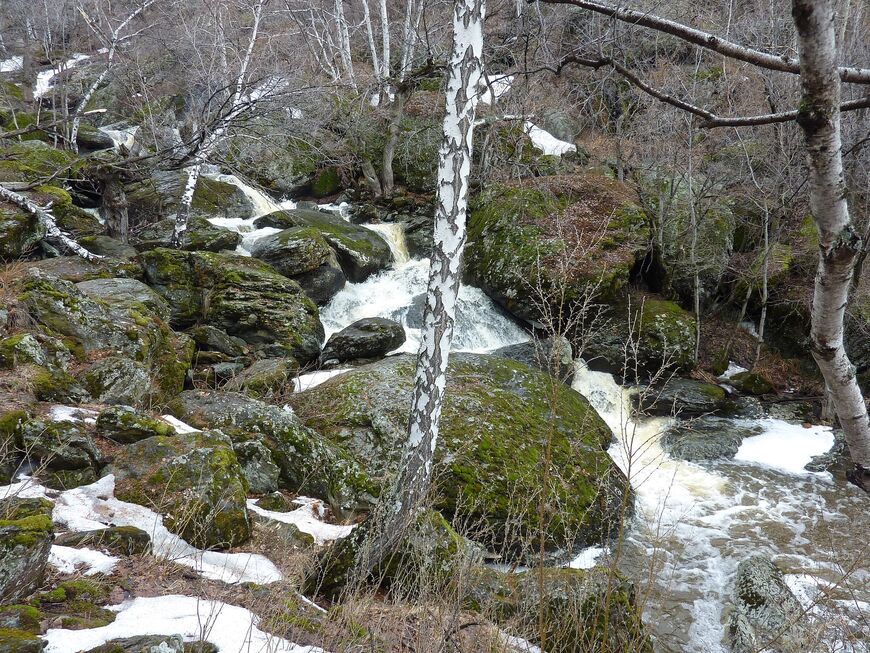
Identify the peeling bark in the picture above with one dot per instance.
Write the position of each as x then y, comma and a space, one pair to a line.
839, 243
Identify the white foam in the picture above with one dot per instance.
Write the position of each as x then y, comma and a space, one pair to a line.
231, 628
11, 65
587, 558
785, 446
69, 560
480, 325
308, 519
394, 235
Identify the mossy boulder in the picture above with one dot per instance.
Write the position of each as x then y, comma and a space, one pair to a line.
125, 292
20, 233
58, 445
25, 541
77, 269
309, 463
33, 161
549, 244
326, 182
194, 479
655, 334
361, 252
751, 383
70, 218
265, 377
124, 425
13, 640
118, 380
158, 197
22, 348
511, 437
76, 604
120, 540
209, 338
200, 235
293, 251
260, 471
582, 610
153, 644
242, 296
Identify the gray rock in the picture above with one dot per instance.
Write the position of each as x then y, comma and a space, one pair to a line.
264, 377
108, 246
200, 236
117, 380
275, 502
125, 292
682, 397
765, 610
120, 540
293, 251
285, 534
259, 469
59, 445
224, 372
707, 438
21, 349
371, 337
552, 355
322, 283
154, 644
25, 542
309, 464
211, 338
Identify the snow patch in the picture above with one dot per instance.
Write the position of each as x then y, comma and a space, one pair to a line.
69, 560
546, 142
307, 381
93, 507
733, 369
72, 414
785, 446
179, 426
587, 558
231, 628
11, 65
45, 77
308, 518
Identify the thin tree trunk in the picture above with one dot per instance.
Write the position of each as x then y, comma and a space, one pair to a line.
839, 243
765, 270
46, 219
370, 33
344, 41
454, 171
397, 111
182, 215
385, 39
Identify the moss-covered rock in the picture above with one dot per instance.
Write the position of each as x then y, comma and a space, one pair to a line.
563, 610
326, 182
751, 383
119, 381
20, 232
511, 437
59, 445
265, 377
200, 235
309, 464
706, 438
77, 269
33, 161
76, 604
194, 479
25, 541
129, 293
70, 218
370, 337
682, 397
242, 296
361, 252
123, 424
120, 540
20, 617
293, 251
22, 348
554, 242
13, 640
260, 471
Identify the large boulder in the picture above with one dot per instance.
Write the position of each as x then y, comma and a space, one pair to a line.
552, 355
584, 610
25, 541
119, 381
124, 425
510, 438
361, 252
549, 244
309, 463
125, 292
158, 197
707, 438
242, 296
370, 337
194, 479
76, 269
200, 235
20, 232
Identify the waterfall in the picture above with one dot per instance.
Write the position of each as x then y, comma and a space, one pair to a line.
394, 234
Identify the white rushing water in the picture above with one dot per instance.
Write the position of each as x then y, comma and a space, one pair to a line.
694, 523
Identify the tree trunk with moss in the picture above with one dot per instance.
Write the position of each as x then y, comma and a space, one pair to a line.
839, 242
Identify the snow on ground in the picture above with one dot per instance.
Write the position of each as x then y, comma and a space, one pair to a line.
231, 628
44, 77
179, 426
307, 518
546, 142
93, 507
69, 560
785, 446
307, 381
733, 368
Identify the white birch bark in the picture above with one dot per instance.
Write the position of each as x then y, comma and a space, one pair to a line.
370, 33
839, 243
385, 39
466, 69
46, 219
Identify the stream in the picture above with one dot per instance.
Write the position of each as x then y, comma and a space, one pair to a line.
694, 522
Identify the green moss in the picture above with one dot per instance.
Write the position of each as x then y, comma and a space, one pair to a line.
327, 182
13, 640
11, 421
33, 161
54, 385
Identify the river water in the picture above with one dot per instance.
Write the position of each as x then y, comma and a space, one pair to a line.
694, 523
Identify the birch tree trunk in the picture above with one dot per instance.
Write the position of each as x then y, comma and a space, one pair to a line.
46, 220
344, 41
454, 168
370, 33
385, 39
839, 243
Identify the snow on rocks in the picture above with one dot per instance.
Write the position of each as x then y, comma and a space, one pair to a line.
307, 381
308, 518
68, 560
72, 414
785, 446
231, 628
45, 77
546, 142
92, 507
179, 426
11, 65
